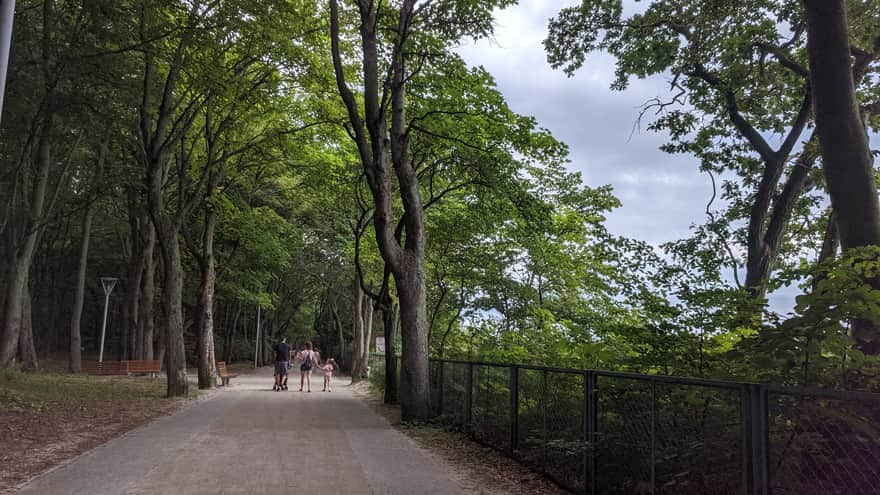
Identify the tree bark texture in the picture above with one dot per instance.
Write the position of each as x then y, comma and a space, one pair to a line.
414, 383
26, 351
846, 157
207, 364
384, 152
137, 224
357, 362
389, 324
175, 353
147, 307
21, 262
75, 358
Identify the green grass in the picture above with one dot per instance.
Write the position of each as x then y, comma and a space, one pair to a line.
38, 390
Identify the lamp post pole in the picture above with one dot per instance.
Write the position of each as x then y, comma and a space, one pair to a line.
108, 283
7, 13
257, 345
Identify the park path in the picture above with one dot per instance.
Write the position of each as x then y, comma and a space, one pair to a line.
247, 439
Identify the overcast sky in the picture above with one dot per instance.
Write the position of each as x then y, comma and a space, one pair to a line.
662, 194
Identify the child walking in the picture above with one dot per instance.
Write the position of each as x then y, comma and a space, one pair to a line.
328, 373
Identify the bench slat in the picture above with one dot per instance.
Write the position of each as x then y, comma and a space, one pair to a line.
224, 373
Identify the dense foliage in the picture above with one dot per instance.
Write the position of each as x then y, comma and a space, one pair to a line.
201, 153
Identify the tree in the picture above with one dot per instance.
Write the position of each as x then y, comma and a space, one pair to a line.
75, 362
847, 160
738, 73
383, 135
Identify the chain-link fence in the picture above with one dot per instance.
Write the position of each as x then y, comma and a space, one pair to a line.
604, 432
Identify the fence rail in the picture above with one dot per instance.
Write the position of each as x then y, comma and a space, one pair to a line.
603, 432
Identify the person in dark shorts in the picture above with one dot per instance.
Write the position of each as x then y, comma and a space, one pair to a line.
282, 358
309, 360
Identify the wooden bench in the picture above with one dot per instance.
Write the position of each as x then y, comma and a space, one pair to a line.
106, 368
224, 373
122, 367
145, 367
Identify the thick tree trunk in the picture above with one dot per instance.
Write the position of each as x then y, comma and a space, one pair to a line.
414, 390
12, 311
26, 351
382, 153
21, 263
206, 362
172, 330
147, 306
846, 158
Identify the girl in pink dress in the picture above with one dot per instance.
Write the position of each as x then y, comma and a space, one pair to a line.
328, 373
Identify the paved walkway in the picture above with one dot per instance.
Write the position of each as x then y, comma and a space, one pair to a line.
247, 439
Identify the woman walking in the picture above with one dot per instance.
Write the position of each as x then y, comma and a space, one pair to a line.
309, 360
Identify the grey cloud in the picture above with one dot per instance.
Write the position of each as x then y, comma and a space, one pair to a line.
662, 195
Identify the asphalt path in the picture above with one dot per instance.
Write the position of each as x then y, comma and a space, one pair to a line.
247, 439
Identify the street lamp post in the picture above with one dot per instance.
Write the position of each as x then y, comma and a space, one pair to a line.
257, 344
7, 13
107, 283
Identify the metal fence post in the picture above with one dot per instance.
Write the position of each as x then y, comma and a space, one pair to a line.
590, 432
469, 394
543, 409
441, 365
756, 439
653, 437
514, 408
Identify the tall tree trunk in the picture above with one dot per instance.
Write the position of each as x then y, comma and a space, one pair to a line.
229, 342
385, 155
846, 158
172, 328
340, 333
357, 362
147, 306
368, 334
26, 350
207, 363
390, 326
414, 342
21, 262
137, 223
75, 358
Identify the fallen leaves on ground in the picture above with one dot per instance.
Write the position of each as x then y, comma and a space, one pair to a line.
48, 418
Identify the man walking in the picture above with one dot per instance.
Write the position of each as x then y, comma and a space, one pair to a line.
282, 358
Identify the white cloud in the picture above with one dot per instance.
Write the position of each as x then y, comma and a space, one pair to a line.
662, 195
